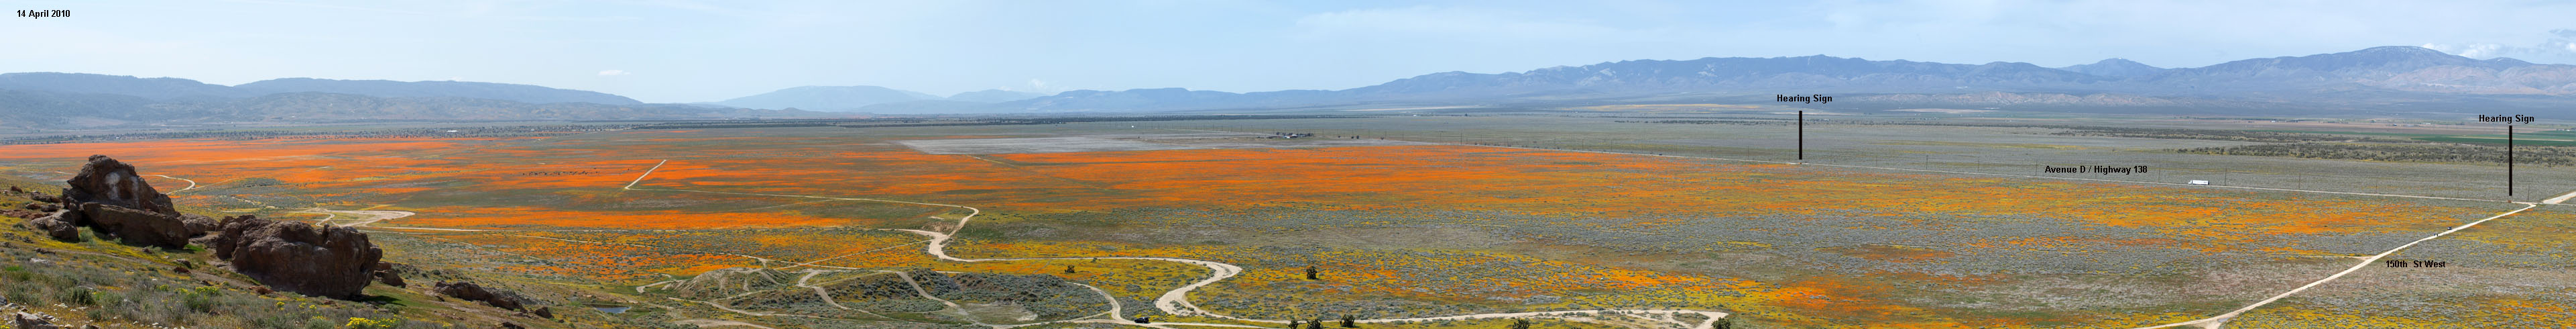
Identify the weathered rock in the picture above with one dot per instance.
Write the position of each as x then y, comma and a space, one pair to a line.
198, 225
110, 198
544, 312
491, 296
24, 320
135, 226
228, 220
507, 325
107, 181
333, 262
386, 274
56, 228
45, 198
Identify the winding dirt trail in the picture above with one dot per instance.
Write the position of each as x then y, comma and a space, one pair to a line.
365, 217
1175, 301
192, 184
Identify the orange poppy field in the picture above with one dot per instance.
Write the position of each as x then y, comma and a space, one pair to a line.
1393, 230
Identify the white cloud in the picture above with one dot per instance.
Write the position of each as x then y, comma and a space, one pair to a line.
613, 73
2559, 47
2473, 50
1040, 86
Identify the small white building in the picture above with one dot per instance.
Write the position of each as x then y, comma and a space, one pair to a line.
2198, 182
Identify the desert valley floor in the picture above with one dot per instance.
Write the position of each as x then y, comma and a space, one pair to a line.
1209, 224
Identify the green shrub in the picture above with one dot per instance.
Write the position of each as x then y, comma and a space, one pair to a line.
319, 323
201, 300
83, 296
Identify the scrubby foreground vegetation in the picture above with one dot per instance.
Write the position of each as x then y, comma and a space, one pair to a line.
101, 282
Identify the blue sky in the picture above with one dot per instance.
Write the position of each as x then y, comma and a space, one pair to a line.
691, 51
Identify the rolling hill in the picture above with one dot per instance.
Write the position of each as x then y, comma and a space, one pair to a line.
484, 90
2379, 79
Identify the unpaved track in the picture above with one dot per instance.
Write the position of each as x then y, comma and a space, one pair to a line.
2559, 199
1175, 301
925, 293
703, 323
2215, 321
192, 184
364, 216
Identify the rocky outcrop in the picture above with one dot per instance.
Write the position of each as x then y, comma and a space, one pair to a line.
42, 197
198, 225
335, 262
107, 181
24, 320
137, 226
387, 274
504, 299
110, 198
55, 227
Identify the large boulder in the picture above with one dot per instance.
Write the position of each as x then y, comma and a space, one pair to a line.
110, 198
387, 274
42, 197
333, 262
198, 225
107, 181
24, 320
55, 227
504, 299
139, 227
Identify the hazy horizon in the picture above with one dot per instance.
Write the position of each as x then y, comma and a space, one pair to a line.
943, 48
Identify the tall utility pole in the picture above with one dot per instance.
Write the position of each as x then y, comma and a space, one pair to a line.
1802, 135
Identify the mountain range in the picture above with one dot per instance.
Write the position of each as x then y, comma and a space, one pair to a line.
70, 101
2368, 81
856, 98
2373, 81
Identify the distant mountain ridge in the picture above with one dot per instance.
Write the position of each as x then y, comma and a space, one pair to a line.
826, 98
2372, 80
863, 98
2116, 68
2396, 78
993, 96
485, 90
148, 88
47, 100
176, 88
